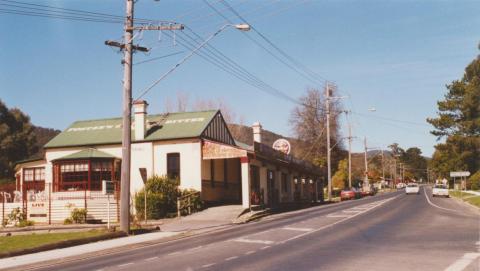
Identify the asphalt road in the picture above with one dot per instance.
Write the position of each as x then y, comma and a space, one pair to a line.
385, 232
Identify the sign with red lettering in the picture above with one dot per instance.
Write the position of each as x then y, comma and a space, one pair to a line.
211, 150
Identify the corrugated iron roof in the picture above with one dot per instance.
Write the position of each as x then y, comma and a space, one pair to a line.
87, 154
109, 131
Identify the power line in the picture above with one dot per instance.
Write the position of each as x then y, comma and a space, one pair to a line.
390, 119
296, 63
258, 43
40, 10
157, 58
54, 16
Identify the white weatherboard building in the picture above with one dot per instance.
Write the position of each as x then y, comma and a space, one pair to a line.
196, 147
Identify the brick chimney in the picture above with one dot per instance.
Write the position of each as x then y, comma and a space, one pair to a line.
140, 110
257, 132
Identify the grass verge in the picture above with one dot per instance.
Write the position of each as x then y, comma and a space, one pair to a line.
467, 197
30, 243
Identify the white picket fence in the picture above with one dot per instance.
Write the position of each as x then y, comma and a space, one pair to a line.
59, 205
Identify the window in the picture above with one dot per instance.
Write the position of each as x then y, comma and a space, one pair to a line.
84, 174
39, 174
28, 174
101, 170
173, 165
34, 179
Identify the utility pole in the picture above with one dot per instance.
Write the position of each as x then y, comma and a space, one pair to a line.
383, 166
349, 155
365, 181
329, 170
127, 62
126, 121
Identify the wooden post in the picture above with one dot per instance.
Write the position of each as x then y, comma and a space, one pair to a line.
178, 207
3, 209
189, 208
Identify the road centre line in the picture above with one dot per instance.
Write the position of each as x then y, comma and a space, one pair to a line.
463, 262
338, 215
433, 204
125, 264
249, 252
208, 265
151, 258
231, 258
265, 247
266, 242
296, 229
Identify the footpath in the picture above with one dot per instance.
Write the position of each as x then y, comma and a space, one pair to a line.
209, 220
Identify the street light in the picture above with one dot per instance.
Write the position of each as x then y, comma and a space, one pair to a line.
241, 27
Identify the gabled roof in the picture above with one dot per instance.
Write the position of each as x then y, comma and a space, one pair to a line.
160, 127
87, 154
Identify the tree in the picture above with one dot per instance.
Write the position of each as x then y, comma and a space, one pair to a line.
308, 120
416, 164
17, 139
340, 179
458, 122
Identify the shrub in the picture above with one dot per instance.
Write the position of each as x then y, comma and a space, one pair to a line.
475, 181
162, 193
67, 221
16, 216
79, 216
26, 223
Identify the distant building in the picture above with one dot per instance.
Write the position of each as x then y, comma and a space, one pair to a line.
195, 147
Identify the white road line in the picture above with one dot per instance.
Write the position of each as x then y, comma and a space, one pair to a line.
231, 258
433, 204
249, 252
208, 265
351, 211
125, 264
463, 262
151, 259
174, 253
336, 222
265, 247
297, 229
266, 242
338, 215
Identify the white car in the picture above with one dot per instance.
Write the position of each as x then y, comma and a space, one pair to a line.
412, 188
440, 190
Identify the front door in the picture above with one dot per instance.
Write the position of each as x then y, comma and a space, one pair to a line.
271, 190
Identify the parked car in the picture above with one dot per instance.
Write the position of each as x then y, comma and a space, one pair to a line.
400, 185
440, 190
412, 188
347, 194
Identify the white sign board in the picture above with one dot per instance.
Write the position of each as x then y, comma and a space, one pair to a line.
108, 188
459, 174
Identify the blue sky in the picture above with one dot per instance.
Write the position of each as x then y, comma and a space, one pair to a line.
396, 56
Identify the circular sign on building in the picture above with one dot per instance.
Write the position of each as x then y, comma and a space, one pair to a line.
282, 145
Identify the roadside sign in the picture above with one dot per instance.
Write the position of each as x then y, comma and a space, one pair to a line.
107, 187
459, 174
143, 173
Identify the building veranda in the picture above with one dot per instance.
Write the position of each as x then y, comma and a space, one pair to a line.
195, 147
